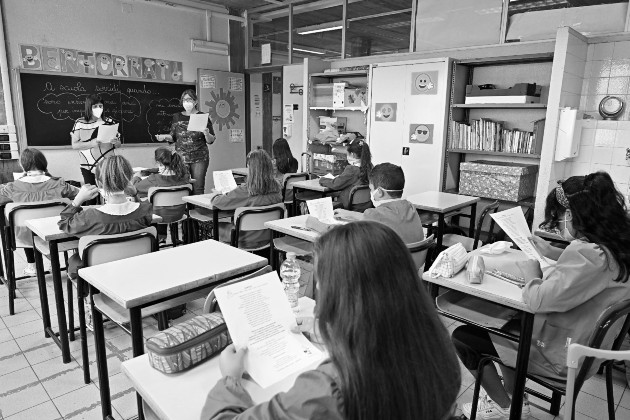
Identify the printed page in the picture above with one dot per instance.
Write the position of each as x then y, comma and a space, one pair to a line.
198, 122
329, 176
224, 181
106, 133
258, 316
513, 222
322, 209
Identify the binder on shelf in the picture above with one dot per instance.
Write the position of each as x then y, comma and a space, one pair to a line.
492, 136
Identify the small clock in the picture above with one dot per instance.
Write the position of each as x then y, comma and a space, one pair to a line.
611, 107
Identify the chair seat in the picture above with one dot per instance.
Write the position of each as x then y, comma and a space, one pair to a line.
451, 239
181, 219
120, 315
292, 244
44, 249
198, 216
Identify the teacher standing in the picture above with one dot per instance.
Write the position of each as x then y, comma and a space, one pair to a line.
192, 145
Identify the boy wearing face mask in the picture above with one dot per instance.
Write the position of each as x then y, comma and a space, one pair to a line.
387, 182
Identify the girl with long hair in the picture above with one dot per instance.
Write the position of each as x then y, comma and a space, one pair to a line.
355, 173
389, 354
590, 274
261, 189
283, 160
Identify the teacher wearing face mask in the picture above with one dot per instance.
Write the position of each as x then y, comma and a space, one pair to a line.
192, 145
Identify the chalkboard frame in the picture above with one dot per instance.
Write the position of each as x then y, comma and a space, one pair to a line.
21, 123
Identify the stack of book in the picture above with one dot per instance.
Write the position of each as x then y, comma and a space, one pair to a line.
492, 136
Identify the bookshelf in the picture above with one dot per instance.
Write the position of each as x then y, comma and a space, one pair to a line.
501, 106
493, 153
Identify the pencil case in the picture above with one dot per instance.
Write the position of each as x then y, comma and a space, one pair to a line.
189, 343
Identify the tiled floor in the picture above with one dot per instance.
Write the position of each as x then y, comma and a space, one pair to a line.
35, 384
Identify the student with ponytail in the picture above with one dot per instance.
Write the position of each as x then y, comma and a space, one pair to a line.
589, 275
356, 173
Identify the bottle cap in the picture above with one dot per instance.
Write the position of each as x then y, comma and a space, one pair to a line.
290, 255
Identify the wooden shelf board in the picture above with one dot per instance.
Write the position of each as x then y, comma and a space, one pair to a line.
526, 202
489, 152
330, 108
501, 106
341, 73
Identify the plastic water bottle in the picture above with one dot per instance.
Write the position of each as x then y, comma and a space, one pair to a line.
290, 274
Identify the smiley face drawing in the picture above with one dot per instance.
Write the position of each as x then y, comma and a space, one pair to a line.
421, 133
423, 82
386, 112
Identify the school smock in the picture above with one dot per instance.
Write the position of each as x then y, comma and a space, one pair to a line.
315, 395
168, 214
85, 131
401, 216
567, 302
343, 183
31, 188
239, 197
190, 144
109, 219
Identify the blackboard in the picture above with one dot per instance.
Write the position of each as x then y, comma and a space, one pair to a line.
52, 103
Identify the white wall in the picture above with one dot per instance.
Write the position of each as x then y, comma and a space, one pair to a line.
101, 25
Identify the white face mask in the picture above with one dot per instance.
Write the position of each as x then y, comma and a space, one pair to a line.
97, 112
188, 105
566, 234
373, 199
354, 161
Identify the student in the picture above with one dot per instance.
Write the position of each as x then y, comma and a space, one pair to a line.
35, 185
355, 173
374, 371
590, 275
387, 182
118, 215
261, 189
283, 160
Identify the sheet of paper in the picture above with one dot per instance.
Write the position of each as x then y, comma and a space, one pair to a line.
224, 181
198, 122
513, 222
329, 176
106, 133
258, 316
322, 209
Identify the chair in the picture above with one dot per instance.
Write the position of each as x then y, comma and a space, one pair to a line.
211, 305
167, 203
306, 162
599, 340
16, 215
420, 251
359, 198
472, 243
248, 220
287, 185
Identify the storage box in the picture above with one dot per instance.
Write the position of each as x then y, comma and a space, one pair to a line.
323, 96
498, 180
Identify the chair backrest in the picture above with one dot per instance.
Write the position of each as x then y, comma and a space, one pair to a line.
600, 339
169, 196
17, 214
359, 194
289, 180
420, 249
490, 207
101, 249
254, 218
211, 304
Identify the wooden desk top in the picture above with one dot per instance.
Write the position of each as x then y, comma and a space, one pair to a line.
202, 200
284, 226
441, 202
240, 171
134, 281
311, 184
491, 288
182, 395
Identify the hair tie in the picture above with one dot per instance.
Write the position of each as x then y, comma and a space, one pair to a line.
561, 196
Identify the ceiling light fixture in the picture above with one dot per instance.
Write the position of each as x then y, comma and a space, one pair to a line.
308, 51
322, 27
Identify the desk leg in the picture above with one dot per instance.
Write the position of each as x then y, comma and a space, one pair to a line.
43, 293
295, 207
215, 224
440, 232
135, 321
101, 358
3, 259
473, 217
522, 360
61, 309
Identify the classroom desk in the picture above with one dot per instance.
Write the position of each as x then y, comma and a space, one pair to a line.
181, 396
284, 226
203, 201
240, 171
445, 204
138, 282
550, 236
501, 293
309, 185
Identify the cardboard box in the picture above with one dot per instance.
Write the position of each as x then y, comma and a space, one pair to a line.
499, 180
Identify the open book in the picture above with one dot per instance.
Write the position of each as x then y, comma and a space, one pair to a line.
224, 181
258, 316
322, 209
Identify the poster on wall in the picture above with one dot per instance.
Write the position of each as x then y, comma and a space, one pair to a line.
385, 112
288, 114
30, 57
421, 133
237, 135
425, 83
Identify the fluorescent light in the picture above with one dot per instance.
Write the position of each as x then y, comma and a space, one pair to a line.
322, 27
308, 51
208, 47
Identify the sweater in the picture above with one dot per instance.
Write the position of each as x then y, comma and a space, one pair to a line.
401, 216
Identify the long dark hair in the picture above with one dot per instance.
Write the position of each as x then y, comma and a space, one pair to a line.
260, 180
92, 99
32, 159
361, 150
394, 357
172, 161
285, 162
598, 212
